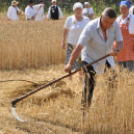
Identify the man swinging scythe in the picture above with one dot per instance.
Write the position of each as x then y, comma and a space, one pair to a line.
95, 41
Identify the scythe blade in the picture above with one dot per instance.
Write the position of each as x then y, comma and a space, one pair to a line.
15, 115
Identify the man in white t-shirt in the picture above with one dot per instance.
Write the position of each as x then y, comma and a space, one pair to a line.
39, 8
30, 11
96, 40
13, 11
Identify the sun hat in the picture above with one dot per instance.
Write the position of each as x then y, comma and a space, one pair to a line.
86, 3
14, 3
127, 3
76, 5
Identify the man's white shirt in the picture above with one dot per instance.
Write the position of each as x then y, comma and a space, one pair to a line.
29, 12
49, 13
40, 12
95, 45
12, 13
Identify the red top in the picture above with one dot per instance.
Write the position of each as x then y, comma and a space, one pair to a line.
128, 51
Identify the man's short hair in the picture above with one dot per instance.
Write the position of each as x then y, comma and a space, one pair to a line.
110, 12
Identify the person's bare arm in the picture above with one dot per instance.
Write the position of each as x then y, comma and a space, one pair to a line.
118, 49
65, 32
73, 57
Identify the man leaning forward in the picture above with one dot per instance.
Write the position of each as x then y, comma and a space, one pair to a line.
96, 40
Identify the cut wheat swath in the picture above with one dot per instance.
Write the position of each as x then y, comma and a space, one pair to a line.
14, 102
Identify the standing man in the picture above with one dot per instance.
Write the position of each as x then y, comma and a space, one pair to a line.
54, 11
96, 40
39, 8
13, 11
131, 10
30, 11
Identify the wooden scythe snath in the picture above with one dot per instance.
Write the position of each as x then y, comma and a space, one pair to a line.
14, 102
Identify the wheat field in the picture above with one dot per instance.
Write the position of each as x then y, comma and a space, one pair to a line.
32, 51
30, 44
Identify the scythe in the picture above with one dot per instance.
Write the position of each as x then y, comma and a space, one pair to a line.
14, 102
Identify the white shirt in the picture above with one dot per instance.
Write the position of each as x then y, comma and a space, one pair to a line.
12, 13
131, 22
49, 13
95, 45
29, 12
87, 11
131, 10
75, 28
39, 12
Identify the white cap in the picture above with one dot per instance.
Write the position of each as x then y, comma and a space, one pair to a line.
86, 3
53, 0
76, 5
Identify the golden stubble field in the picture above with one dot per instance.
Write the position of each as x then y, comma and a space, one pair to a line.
32, 51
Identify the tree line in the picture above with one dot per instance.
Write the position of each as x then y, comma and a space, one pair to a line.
66, 6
